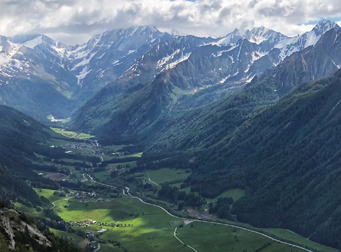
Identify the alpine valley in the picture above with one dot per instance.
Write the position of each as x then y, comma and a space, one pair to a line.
141, 140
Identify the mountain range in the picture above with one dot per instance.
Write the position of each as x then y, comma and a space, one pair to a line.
256, 110
147, 94
42, 77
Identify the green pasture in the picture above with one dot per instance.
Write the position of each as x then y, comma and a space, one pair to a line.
75, 238
186, 189
101, 176
291, 236
144, 227
30, 210
235, 194
166, 175
48, 194
139, 154
71, 134
214, 237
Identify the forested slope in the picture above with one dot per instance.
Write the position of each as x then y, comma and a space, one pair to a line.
20, 136
288, 159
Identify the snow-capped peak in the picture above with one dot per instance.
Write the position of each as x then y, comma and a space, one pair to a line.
231, 38
325, 25
259, 34
34, 42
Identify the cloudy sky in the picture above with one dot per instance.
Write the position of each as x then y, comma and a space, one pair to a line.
75, 21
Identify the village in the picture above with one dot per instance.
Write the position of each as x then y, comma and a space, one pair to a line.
94, 147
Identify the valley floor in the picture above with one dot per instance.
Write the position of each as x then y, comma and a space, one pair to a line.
114, 216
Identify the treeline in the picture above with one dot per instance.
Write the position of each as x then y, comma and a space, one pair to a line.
222, 208
119, 160
165, 160
59, 153
174, 195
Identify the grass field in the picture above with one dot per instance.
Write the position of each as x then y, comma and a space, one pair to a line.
48, 194
41, 192
71, 134
147, 228
186, 189
30, 210
75, 238
288, 235
166, 174
139, 154
211, 237
235, 194
101, 176
144, 227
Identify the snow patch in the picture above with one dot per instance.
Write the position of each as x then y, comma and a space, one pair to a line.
166, 59
131, 51
82, 75
4, 59
83, 62
256, 56
224, 79
34, 42
178, 61
219, 54
311, 39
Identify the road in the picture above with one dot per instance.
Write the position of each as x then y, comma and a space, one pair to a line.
152, 180
58, 201
127, 193
98, 247
182, 241
94, 181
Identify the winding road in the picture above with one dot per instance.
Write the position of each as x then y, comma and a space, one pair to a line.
182, 241
152, 180
58, 201
127, 193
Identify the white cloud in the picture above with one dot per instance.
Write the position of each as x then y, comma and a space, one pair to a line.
64, 18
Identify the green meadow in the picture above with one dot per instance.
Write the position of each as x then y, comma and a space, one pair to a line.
48, 194
134, 226
235, 194
141, 227
291, 236
71, 134
219, 238
166, 175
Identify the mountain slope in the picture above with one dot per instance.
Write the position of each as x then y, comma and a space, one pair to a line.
188, 82
288, 157
222, 117
195, 75
18, 232
20, 136
105, 57
40, 76
33, 78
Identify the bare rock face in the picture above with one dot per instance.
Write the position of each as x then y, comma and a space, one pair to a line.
11, 223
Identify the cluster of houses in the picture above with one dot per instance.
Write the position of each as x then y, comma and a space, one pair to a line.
93, 147
82, 146
85, 223
117, 154
84, 195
